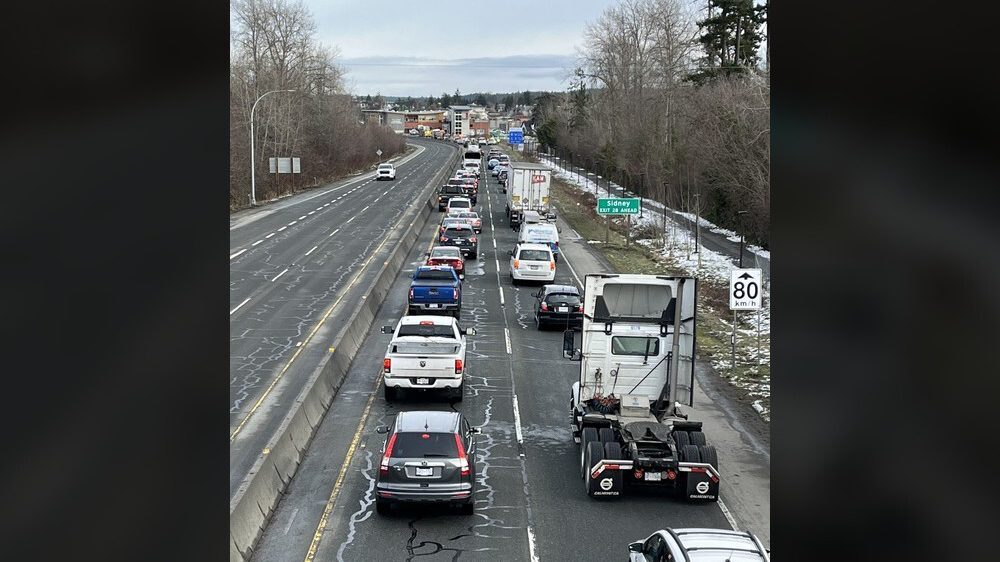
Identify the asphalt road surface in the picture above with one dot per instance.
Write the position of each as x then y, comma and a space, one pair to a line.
530, 500
295, 267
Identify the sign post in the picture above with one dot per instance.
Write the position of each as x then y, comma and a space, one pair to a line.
744, 294
379, 154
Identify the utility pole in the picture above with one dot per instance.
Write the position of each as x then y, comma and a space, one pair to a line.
253, 174
697, 227
739, 216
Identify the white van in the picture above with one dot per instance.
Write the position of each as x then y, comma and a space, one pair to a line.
532, 217
458, 204
532, 262
539, 233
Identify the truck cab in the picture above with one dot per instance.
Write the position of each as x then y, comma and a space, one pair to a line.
636, 358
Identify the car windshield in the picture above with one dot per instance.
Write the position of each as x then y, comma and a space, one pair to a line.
534, 255
420, 445
385, 167
452, 189
457, 232
563, 298
427, 330
438, 274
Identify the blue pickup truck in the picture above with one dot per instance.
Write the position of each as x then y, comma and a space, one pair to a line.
435, 288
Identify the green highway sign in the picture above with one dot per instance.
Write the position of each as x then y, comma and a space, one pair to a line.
618, 206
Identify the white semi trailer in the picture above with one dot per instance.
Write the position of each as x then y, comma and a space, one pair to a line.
528, 187
636, 373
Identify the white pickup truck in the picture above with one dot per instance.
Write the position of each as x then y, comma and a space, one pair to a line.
426, 353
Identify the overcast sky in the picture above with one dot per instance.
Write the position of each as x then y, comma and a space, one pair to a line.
434, 46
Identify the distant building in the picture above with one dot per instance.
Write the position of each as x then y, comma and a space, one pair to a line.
458, 116
429, 119
395, 120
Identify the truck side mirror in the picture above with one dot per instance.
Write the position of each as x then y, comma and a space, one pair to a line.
387, 329
569, 346
382, 429
476, 431
470, 331
510, 252
635, 546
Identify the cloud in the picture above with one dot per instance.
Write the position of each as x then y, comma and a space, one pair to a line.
423, 76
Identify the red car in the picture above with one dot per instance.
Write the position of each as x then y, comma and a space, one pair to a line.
447, 255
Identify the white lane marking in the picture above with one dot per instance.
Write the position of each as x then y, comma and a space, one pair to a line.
311, 212
282, 228
495, 246
239, 305
290, 519
300, 218
506, 337
327, 205
269, 235
365, 209
729, 516
231, 256
257, 242
334, 232
313, 250
350, 219
501, 297
571, 270
279, 275
320, 208
531, 544
292, 223
517, 423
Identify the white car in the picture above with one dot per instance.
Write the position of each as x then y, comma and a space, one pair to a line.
532, 262
473, 167
427, 353
709, 545
458, 205
385, 172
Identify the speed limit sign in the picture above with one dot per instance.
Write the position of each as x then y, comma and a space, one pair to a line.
744, 289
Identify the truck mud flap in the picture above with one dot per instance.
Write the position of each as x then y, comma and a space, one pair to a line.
700, 481
607, 479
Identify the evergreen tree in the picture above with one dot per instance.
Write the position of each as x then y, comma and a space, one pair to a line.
481, 100
526, 98
578, 100
445, 100
508, 101
731, 37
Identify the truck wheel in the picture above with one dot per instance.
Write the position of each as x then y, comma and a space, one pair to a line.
594, 452
382, 506
586, 436
457, 314
690, 453
459, 392
468, 508
698, 438
681, 438
612, 451
391, 394
606, 435
709, 455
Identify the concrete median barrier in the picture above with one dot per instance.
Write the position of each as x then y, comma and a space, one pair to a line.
251, 507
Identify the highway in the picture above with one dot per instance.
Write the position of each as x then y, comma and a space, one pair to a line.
295, 267
530, 501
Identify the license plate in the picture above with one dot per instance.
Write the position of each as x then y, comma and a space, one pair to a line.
460, 240
435, 305
425, 471
423, 381
654, 476
562, 309
534, 267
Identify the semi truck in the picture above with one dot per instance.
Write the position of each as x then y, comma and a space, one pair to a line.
636, 353
527, 190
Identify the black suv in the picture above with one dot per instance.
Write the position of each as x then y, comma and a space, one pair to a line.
427, 457
463, 236
559, 305
448, 191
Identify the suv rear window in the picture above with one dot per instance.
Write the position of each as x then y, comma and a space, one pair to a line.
563, 298
534, 255
459, 204
458, 232
423, 445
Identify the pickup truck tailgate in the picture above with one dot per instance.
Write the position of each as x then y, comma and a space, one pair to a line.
433, 291
424, 360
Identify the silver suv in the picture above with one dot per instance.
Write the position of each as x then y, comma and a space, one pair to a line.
427, 457
703, 545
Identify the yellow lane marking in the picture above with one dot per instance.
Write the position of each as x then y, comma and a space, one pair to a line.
321, 527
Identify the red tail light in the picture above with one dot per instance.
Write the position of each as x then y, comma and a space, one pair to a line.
411, 293
458, 293
517, 264
384, 466
473, 239
544, 306
463, 461
552, 266
387, 364
671, 475
458, 366
444, 238
579, 308
638, 474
